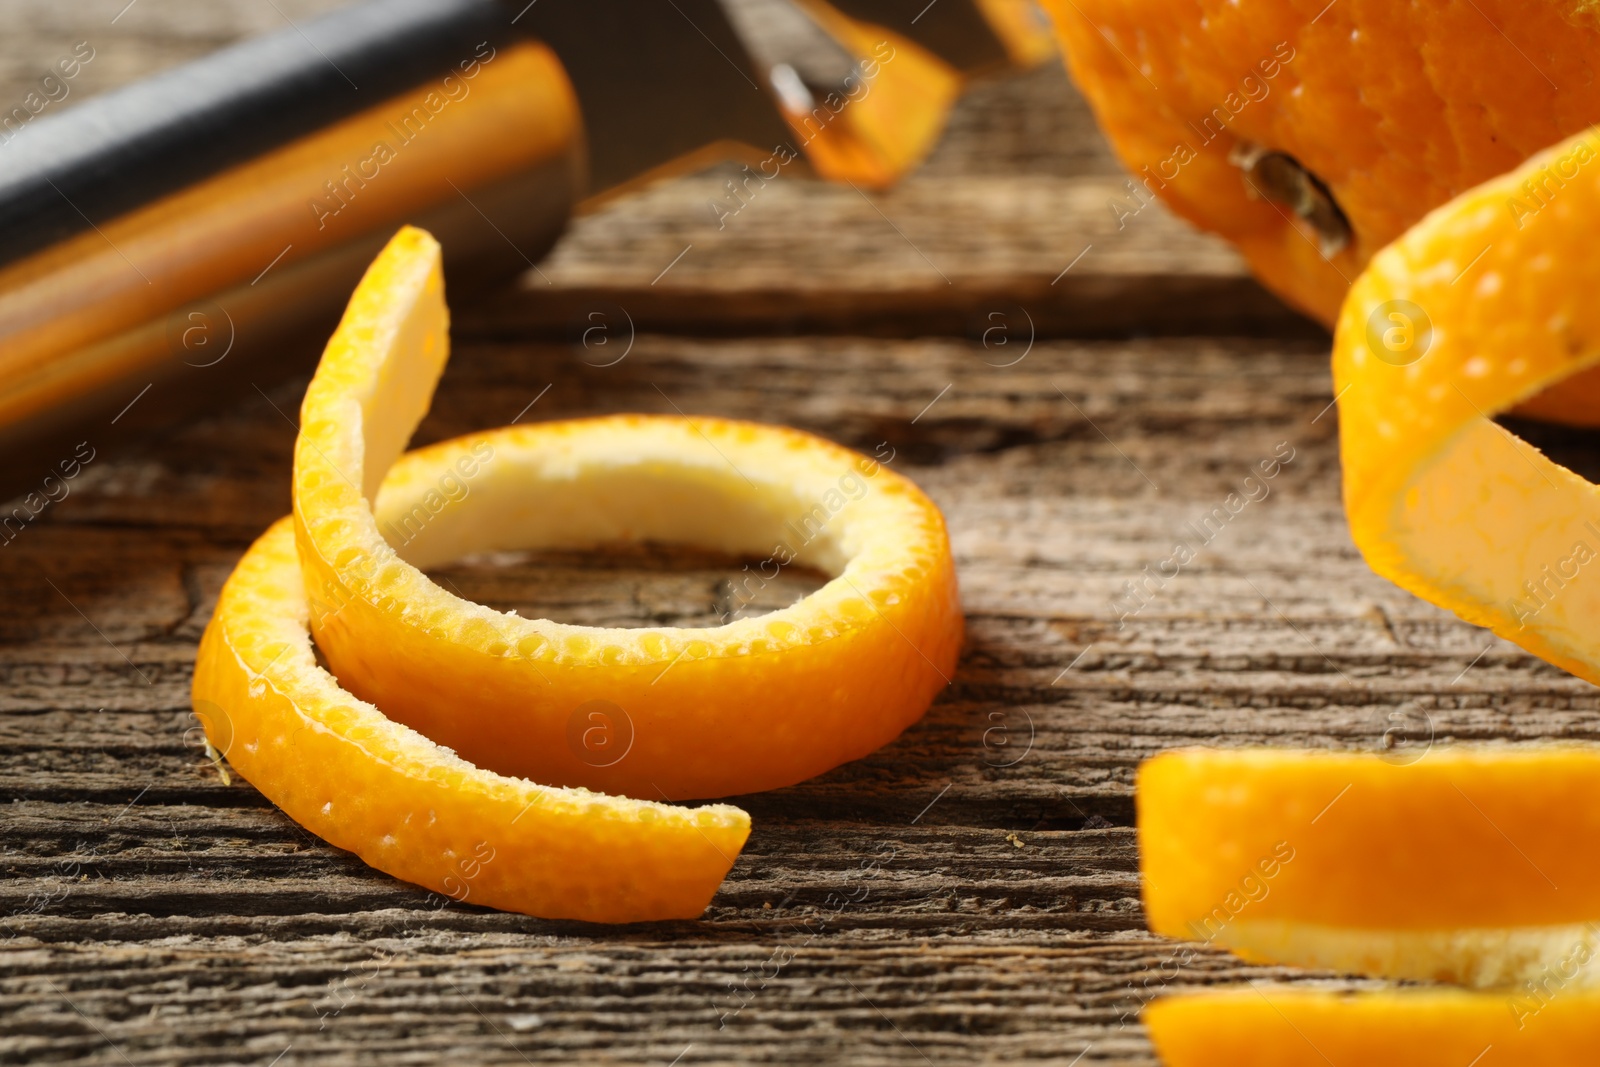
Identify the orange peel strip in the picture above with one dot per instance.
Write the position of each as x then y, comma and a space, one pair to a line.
1412, 1028
1484, 304
411, 808
1445, 868
891, 113
755, 704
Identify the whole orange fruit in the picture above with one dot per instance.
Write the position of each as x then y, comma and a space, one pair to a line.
1311, 133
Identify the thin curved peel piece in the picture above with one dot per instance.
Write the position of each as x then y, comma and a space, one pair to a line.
755, 704
1484, 304
409, 807
751, 704
890, 114
1451, 868
1404, 1028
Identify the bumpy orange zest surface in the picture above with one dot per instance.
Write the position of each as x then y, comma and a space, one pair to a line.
1494, 306
758, 703
408, 806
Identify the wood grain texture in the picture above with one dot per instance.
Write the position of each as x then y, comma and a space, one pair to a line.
1021, 205
969, 894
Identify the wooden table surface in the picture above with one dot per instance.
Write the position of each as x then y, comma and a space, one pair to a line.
968, 894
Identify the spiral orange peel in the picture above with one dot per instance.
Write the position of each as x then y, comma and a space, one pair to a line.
436, 788
1484, 304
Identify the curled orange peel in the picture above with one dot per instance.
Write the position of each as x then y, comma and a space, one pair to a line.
436, 788
1484, 304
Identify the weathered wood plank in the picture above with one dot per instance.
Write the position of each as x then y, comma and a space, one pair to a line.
719, 253
967, 894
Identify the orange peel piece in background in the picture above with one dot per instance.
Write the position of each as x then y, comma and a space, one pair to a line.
686, 712
890, 113
411, 808
1486, 303
1465, 865
1404, 1028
